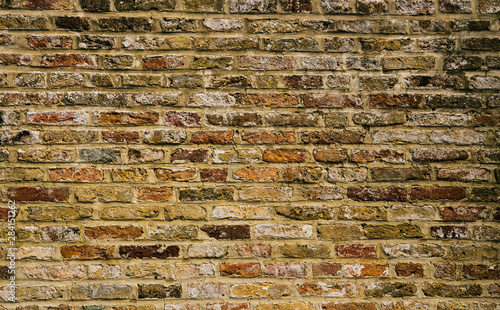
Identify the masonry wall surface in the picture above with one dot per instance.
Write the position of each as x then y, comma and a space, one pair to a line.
250, 154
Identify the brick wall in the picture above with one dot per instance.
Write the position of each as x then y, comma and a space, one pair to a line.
251, 154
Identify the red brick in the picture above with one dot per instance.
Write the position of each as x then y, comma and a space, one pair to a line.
87, 252
182, 119
284, 155
69, 60
113, 232
7, 59
212, 137
462, 213
438, 193
120, 136
331, 101
303, 81
326, 269
154, 194
376, 194
52, 194
395, 101
213, 175
49, 42
357, 250
243, 270
195, 156
162, 62
126, 118
92, 175
57, 118
149, 251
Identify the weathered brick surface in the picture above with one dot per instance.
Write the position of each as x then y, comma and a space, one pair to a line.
250, 154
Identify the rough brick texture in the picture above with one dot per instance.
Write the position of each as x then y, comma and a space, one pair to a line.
251, 154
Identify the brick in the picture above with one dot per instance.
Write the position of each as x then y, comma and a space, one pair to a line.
173, 232
389, 101
104, 291
265, 137
327, 289
356, 250
265, 193
445, 290
95, 6
326, 269
125, 24
227, 232
330, 137
7, 59
223, 24
347, 306
449, 232
464, 175
69, 60
436, 193
207, 251
193, 271
49, 42
414, 250
113, 232
144, 155
76, 175
365, 270
194, 155
149, 251
257, 174
463, 213
409, 269
406, 63
74, 23
250, 270
142, 5
162, 62
396, 289
253, 250
212, 137
481, 271
488, 7
24, 22
265, 290
445, 271
302, 174
87, 252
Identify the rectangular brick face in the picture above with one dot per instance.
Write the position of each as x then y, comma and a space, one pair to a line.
250, 154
